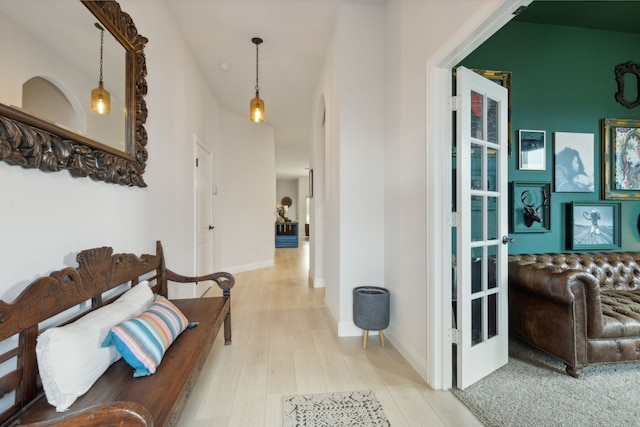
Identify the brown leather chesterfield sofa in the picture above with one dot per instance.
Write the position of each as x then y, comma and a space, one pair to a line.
583, 308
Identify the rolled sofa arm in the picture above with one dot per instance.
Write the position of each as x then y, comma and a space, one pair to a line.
553, 282
130, 414
562, 285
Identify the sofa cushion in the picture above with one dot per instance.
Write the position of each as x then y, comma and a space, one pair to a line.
621, 314
144, 339
71, 357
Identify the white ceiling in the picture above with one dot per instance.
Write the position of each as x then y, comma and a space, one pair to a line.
296, 34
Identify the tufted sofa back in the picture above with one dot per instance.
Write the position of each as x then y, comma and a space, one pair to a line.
614, 270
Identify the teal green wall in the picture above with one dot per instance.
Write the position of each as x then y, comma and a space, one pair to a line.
562, 81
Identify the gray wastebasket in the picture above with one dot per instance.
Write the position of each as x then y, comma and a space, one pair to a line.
371, 310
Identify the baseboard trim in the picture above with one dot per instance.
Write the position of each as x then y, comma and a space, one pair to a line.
411, 355
248, 267
348, 329
318, 283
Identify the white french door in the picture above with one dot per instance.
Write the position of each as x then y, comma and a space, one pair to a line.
481, 236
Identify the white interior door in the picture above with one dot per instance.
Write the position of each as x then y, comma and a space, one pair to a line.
482, 205
204, 215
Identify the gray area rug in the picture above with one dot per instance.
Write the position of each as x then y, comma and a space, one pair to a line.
352, 409
534, 390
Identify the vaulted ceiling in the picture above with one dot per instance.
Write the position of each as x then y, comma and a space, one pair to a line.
296, 35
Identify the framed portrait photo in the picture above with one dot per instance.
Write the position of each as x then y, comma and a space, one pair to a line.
532, 150
573, 162
621, 159
594, 225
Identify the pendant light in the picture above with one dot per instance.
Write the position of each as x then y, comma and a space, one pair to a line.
256, 105
100, 97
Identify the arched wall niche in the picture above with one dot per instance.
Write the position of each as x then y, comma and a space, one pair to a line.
43, 98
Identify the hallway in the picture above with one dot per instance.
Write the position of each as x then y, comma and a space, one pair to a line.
284, 343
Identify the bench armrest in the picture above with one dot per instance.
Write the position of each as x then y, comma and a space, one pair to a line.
224, 280
130, 414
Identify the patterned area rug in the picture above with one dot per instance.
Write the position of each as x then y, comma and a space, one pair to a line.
352, 409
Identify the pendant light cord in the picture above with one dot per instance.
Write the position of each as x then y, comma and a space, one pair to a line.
101, 50
98, 26
257, 62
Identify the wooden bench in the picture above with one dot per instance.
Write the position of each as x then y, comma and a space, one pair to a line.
117, 398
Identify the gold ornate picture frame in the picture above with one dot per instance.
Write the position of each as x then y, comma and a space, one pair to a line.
620, 159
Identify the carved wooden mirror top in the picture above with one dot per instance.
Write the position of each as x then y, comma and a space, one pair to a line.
34, 142
630, 71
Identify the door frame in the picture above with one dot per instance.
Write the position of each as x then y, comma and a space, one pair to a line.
470, 35
197, 142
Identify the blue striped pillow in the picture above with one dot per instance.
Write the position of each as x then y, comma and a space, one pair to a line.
143, 340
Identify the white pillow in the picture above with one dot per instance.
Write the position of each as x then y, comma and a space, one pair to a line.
71, 358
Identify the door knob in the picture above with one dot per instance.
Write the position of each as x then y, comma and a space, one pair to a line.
211, 227
506, 239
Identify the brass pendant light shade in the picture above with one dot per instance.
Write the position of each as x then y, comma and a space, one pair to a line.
256, 109
100, 100
100, 97
256, 105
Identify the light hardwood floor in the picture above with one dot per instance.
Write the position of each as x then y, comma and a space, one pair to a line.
284, 343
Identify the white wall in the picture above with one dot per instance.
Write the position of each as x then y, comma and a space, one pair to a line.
177, 100
402, 37
317, 211
417, 31
46, 218
361, 162
354, 158
246, 194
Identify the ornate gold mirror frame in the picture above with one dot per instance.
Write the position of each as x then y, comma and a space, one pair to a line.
31, 142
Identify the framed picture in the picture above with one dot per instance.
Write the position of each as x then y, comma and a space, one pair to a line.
574, 158
594, 225
532, 150
621, 159
503, 78
530, 207
310, 182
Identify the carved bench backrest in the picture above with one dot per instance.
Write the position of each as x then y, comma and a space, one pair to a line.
614, 270
81, 289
